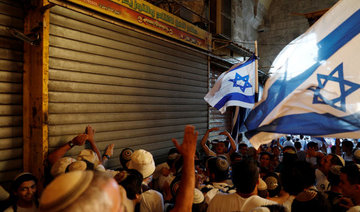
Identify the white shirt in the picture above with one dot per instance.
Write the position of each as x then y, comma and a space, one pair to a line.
288, 202
321, 181
303, 143
151, 201
347, 157
217, 188
288, 143
234, 202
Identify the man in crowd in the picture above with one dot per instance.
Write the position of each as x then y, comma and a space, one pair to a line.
97, 191
350, 185
218, 170
143, 162
300, 153
220, 146
246, 179
82, 191
321, 173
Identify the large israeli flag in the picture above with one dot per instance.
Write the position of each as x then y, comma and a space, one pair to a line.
235, 87
314, 89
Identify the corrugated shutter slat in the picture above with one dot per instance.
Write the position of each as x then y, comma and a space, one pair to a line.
11, 66
135, 90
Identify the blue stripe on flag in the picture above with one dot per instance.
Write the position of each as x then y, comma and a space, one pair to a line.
248, 62
327, 47
299, 123
236, 97
339, 37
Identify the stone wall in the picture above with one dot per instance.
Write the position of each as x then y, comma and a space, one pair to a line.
244, 22
247, 17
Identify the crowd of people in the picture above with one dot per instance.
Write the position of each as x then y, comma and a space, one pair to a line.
289, 174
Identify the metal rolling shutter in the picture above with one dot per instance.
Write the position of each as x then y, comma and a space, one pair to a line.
11, 68
135, 90
216, 119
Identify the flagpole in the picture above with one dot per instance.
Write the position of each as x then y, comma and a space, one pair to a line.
256, 74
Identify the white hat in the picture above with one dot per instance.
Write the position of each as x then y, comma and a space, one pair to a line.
357, 154
198, 196
89, 155
143, 162
77, 166
341, 159
100, 168
3, 194
64, 190
60, 166
262, 185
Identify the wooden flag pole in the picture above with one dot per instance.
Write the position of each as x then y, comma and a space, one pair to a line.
256, 74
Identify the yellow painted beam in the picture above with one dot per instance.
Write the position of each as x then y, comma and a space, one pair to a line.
35, 91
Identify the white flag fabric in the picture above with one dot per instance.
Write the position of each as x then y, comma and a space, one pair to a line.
235, 87
314, 89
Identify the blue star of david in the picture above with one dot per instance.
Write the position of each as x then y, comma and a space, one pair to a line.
240, 78
323, 79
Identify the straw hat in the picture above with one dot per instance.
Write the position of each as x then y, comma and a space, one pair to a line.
100, 168
77, 166
89, 155
198, 196
357, 154
341, 159
64, 190
262, 185
143, 162
3, 194
60, 166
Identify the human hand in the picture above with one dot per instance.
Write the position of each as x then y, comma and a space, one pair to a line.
188, 147
200, 178
90, 132
119, 177
226, 133
80, 139
346, 202
213, 129
337, 142
110, 150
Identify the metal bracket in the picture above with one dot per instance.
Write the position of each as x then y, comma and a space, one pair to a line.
33, 38
224, 43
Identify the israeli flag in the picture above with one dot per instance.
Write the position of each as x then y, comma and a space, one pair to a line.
314, 88
235, 87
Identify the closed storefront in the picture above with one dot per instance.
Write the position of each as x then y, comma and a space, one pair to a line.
11, 69
136, 90
216, 119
